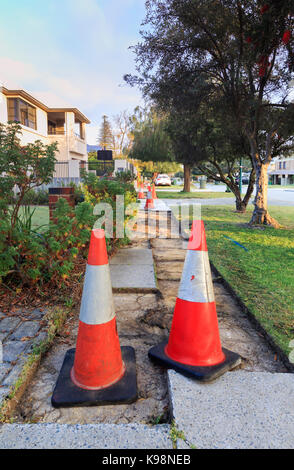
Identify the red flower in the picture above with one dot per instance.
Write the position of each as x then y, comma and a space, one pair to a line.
262, 71
263, 9
263, 60
249, 40
286, 37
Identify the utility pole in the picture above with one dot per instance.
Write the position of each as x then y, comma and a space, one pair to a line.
241, 176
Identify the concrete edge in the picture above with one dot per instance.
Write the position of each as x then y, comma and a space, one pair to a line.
87, 436
135, 290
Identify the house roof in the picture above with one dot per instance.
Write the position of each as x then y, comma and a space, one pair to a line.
34, 101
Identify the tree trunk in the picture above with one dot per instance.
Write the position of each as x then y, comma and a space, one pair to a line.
187, 178
241, 204
260, 214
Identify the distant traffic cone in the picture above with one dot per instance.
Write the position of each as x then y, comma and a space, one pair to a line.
154, 195
149, 201
194, 346
98, 371
141, 194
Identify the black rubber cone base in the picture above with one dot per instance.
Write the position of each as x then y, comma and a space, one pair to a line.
203, 374
66, 394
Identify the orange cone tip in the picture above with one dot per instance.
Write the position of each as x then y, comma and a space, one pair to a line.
197, 240
97, 251
149, 201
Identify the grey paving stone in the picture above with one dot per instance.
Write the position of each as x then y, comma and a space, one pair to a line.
4, 369
37, 314
99, 436
3, 336
26, 329
41, 337
12, 350
13, 375
8, 324
4, 391
241, 410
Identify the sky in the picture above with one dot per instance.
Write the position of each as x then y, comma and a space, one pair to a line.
72, 53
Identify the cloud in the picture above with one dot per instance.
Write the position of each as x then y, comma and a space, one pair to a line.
75, 54
14, 73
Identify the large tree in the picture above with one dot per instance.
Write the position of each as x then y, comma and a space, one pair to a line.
237, 50
150, 140
215, 146
122, 134
106, 138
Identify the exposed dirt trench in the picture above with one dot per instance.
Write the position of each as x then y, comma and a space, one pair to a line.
144, 320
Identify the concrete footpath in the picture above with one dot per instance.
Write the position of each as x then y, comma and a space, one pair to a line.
241, 410
251, 408
88, 436
132, 269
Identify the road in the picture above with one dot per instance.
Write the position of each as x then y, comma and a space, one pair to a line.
276, 197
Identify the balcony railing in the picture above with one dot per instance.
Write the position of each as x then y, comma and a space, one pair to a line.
56, 132
79, 136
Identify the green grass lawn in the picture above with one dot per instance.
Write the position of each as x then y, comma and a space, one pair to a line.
170, 188
263, 277
195, 195
278, 186
40, 217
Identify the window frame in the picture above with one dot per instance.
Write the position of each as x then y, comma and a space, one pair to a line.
30, 121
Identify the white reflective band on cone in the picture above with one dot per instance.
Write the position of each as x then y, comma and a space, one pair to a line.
97, 302
196, 284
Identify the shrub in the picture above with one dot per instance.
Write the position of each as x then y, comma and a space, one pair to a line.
125, 177
28, 257
47, 257
102, 190
36, 198
79, 195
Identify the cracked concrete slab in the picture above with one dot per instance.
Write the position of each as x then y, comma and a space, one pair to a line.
105, 436
241, 410
132, 268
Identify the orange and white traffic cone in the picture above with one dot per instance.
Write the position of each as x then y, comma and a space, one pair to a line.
141, 194
98, 371
149, 201
154, 195
194, 347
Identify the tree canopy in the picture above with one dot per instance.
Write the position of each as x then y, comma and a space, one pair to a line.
238, 52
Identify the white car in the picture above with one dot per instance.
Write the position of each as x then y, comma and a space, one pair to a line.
163, 180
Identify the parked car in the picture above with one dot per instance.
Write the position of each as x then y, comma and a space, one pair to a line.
178, 182
245, 179
163, 180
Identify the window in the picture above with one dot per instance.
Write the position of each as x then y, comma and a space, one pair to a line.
280, 165
21, 111
284, 165
79, 132
51, 128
